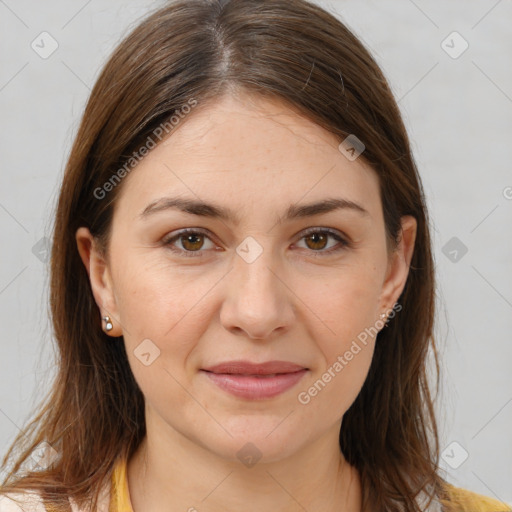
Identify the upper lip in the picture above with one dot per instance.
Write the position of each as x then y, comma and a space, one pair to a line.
248, 368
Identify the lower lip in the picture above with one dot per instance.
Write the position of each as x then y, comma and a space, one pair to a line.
255, 388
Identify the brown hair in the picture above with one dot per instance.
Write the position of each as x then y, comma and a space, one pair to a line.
201, 49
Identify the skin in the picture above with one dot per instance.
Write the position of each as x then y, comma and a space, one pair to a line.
256, 157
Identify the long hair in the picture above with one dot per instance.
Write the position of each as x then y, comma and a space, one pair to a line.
196, 51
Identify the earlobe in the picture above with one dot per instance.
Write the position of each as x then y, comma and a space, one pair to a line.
100, 280
399, 264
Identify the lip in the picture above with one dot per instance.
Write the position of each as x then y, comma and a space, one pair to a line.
249, 368
255, 381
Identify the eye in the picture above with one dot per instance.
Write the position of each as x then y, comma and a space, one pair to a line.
316, 239
192, 240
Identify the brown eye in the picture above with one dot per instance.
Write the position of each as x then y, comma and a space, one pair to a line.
192, 242
318, 241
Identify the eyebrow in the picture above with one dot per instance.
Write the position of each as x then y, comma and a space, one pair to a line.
294, 211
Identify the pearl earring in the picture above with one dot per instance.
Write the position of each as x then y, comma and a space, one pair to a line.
108, 323
384, 317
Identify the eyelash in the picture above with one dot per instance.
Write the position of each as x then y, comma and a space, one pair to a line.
196, 231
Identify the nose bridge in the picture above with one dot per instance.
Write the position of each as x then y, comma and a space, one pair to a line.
254, 268
257, 300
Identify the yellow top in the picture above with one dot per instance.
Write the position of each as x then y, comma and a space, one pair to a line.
120, 496
467, 501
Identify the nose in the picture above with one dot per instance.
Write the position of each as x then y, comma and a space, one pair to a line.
258, 300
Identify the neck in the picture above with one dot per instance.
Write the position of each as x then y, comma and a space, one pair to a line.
170, 472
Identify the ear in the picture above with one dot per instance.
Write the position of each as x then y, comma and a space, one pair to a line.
100, 278
398, 265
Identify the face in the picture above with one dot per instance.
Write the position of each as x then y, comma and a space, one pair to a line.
258, 278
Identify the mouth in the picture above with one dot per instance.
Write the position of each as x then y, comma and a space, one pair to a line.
255, 381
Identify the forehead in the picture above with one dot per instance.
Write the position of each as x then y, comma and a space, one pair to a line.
251, 154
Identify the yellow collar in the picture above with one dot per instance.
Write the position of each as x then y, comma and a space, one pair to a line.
467, 500
120, 495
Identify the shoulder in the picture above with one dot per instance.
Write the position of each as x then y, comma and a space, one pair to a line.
463, 500
21, 502
30, 501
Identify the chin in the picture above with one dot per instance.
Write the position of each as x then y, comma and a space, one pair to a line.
257, 440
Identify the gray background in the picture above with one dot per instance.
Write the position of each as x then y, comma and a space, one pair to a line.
458, 110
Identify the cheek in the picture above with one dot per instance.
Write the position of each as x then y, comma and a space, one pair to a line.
335, 384
346, 304
155, 299
163, 313
345, 337
163, 318
334, 390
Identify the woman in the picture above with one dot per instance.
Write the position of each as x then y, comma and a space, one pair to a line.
242, 281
